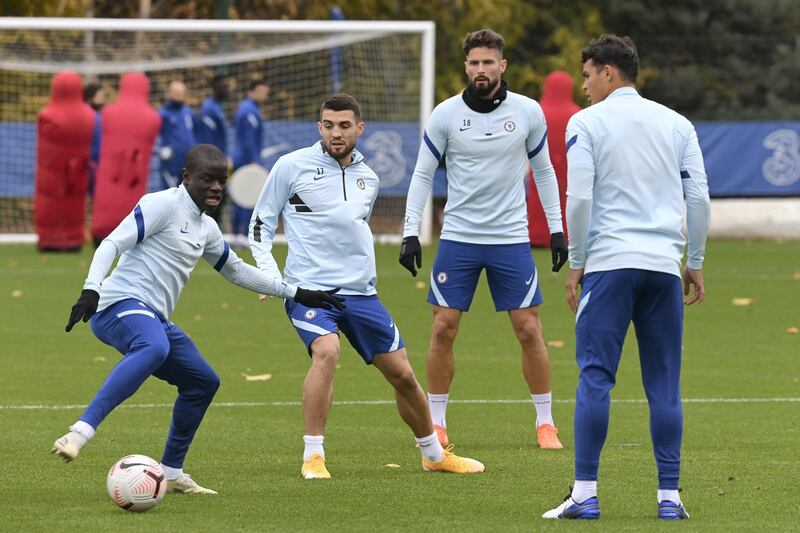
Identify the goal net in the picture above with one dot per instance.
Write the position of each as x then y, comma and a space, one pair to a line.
387, 66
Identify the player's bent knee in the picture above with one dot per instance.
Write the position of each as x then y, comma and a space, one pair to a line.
212, 383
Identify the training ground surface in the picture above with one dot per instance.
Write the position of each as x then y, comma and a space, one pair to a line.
741, 380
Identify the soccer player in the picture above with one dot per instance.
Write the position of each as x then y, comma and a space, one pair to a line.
177, 135
488, 135
325, 194
633, 164
160, 242
249, 128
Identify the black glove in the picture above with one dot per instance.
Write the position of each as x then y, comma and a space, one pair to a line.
84, 308
410, 253
321, 299
558, 247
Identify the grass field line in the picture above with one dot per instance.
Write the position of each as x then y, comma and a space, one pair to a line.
57, 407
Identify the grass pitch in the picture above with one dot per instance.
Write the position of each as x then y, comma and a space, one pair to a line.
741, 382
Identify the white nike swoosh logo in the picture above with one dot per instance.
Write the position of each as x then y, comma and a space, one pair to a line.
529, 280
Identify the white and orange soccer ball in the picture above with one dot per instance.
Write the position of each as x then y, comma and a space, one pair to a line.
136, 483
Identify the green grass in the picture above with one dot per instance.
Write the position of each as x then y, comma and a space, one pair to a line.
740, 469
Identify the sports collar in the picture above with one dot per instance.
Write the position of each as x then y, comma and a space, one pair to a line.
481, 105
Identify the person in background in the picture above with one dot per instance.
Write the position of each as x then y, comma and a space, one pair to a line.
249, 127
177, 135
210, 126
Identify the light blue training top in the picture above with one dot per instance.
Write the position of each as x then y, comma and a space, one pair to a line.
487, 157
161, 241
325, 210
633, 165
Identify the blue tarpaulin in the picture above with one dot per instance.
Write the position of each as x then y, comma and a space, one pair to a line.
742, 158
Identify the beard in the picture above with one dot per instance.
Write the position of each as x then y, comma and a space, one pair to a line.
339, 152
486, 87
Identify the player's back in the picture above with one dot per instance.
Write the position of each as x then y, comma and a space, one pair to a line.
637, 147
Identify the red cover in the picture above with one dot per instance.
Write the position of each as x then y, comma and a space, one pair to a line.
130, 127
64, 136
558, 107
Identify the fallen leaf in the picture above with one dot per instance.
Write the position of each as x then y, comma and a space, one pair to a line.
44, 260
99, 359
392, 465
13, 264
16, 293
198, 317
555, 344
83, 264
792, 330
742, 302
257, 377
796, 276
224, 305
420, 285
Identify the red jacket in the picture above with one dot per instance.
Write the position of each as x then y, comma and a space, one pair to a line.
64, 136
558, 107
130, 127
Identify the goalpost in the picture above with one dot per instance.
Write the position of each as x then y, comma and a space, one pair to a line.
387, 66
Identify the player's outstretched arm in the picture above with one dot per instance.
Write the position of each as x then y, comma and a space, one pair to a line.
84, 308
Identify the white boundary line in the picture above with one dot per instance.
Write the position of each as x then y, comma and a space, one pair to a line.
56, 407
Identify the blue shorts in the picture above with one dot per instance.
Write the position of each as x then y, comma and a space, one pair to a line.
510, 270
365, 322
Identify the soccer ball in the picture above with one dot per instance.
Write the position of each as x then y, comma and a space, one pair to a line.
136, 483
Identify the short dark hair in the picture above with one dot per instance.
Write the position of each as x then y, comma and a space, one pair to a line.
483, 39
256, 83
616, 51
204, 154
218, 79
89, 91
341, 102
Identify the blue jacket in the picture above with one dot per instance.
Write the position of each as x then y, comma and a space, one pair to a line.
210, 127
177, 134
249, 133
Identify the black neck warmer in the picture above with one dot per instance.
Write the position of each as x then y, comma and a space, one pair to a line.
482, 105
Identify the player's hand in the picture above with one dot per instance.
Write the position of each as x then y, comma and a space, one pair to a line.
410, 253
321, 299
574, 278
84, 308
693, 277
262, 297
558, 247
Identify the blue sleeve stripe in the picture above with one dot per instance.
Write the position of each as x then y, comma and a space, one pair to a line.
221, 263
430, 144
538, 148
137, 214
572, 141
685, 175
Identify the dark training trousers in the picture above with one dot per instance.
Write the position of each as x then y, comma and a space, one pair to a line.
609, 302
